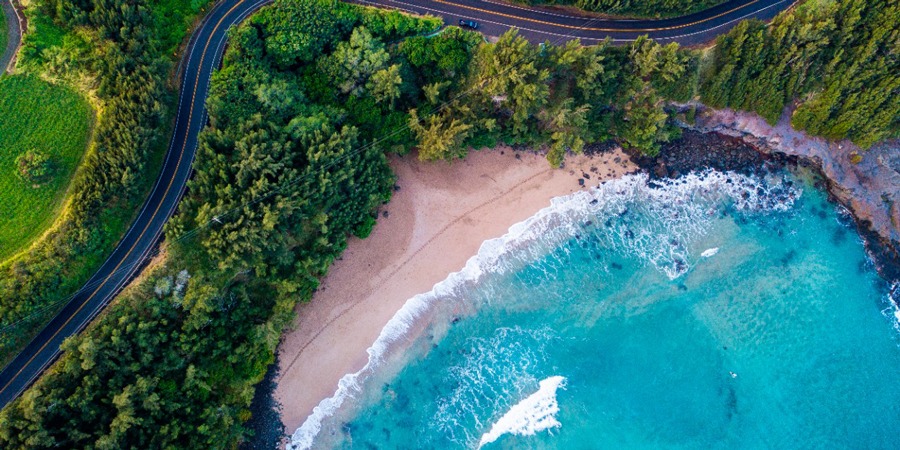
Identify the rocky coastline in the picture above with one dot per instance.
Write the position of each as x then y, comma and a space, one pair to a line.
865, 182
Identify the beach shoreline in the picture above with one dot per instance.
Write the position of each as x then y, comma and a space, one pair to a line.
438, 218
440, 215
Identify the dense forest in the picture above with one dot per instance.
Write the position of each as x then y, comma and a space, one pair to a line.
311, 95
121, 55
837, 62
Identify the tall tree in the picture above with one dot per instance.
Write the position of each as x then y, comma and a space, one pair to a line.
355, 61
512, 76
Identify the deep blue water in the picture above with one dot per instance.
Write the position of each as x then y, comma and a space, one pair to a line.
716, 312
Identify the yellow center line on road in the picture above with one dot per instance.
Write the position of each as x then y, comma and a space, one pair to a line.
155, 212
575, 27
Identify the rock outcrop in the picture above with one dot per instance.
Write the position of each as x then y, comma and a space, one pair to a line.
867, 182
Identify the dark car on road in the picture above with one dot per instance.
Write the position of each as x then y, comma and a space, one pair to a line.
468, 24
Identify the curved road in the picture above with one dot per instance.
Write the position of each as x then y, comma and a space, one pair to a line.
202, 57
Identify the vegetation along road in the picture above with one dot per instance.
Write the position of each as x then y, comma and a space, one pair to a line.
202, 57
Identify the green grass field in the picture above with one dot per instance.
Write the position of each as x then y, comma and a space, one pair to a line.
36, 115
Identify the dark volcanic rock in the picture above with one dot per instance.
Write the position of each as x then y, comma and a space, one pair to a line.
698, 151
265, 423
598, 148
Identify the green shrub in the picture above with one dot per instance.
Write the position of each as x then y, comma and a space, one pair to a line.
33, 166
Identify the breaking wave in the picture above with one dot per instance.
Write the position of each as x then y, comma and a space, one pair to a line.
495, 372
530, 416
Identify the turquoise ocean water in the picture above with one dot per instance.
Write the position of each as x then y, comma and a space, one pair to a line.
716, 311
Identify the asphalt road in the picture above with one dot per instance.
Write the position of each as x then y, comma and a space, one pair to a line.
203, 56
13, 35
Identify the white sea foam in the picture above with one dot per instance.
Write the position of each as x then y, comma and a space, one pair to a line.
659, 222
710, 252
680, 211
530, 416
350, 385
496, 370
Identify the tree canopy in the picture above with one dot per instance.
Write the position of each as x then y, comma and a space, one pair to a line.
835, 63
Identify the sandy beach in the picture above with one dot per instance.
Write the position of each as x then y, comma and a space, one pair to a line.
435, 222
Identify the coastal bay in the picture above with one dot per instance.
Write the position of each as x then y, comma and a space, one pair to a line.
436, 221
642, 254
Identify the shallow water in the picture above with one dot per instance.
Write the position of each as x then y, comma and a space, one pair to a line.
716, 311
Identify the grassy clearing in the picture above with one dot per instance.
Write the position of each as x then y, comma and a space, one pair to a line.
52, 119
